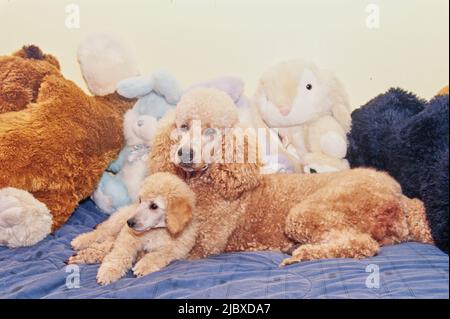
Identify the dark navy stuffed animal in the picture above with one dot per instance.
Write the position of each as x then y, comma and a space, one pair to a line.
407, 137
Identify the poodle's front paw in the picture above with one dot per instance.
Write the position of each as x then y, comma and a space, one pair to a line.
23, 219
85, 240
145, 267
109, 273
91, 255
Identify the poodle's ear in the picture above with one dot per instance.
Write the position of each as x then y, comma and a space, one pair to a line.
161, 156
238, 174
178, 215
135, 87
232, 180
167, 86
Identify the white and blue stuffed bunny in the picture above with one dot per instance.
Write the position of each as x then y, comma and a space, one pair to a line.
157, 94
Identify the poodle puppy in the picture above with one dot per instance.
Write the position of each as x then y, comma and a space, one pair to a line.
343, 214
407, 137
154, 231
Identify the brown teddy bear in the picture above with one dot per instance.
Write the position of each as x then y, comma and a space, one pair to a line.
55, 140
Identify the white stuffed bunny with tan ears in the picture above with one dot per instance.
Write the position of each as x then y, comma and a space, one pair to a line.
310, 109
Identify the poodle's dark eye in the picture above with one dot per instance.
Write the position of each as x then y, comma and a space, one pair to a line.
210, 132
309, 86
140, 200
153, 206
312, 171
184, 127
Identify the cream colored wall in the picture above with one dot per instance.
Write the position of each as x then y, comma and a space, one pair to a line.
199, 39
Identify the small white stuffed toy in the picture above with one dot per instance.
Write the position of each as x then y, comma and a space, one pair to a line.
157, 94
310, 109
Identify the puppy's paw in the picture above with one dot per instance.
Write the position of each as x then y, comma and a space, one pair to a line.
108, 273
87, 256
145, 267
83, 241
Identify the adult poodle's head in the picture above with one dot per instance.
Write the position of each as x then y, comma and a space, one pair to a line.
202, 139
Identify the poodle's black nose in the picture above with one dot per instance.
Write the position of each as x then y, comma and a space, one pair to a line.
186, 155
131, 223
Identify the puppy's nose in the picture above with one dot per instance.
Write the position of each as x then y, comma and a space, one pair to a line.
131, 223
186, 155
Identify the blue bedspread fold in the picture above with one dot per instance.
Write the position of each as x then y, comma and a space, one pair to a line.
409, 270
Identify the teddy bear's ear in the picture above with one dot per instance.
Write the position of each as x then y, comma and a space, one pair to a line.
135, 87
35, 53
104, 62
167, 86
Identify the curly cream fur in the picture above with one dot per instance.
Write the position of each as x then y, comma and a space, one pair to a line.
118, 247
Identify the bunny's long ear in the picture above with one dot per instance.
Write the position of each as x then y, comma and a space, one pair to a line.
341, 108
136, 87
166, 85
231, 85
104, 62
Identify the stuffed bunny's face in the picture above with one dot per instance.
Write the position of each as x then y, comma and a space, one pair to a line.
290, 98
139, 129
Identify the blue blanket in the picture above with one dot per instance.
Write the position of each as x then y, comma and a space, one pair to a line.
410, 270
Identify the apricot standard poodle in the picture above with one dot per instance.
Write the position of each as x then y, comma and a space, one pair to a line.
333, 215
347, 214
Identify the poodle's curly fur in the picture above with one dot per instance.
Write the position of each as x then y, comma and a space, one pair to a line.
407, 137
344, 214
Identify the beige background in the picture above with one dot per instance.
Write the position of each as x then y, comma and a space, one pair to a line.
198, 39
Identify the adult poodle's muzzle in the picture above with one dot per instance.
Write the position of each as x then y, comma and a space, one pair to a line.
187, 160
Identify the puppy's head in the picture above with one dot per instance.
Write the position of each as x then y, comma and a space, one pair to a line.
165, 201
